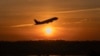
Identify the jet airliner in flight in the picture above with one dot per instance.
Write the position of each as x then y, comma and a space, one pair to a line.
45, 21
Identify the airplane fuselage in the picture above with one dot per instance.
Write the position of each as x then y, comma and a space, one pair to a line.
45, 21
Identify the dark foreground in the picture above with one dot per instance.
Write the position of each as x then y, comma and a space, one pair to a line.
50, 47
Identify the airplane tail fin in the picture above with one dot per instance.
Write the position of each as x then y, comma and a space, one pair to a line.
36, 22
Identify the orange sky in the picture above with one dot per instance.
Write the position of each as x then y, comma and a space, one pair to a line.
78, 20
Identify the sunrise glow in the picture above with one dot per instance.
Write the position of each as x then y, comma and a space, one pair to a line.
48, 31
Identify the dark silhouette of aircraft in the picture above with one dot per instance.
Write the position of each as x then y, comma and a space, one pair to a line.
45, 21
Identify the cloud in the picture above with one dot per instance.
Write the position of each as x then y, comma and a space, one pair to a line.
73, 11
22, 25
77, 22
81, 21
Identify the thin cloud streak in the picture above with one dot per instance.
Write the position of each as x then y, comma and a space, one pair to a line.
27, 25
22, 25
77, 22
73, 11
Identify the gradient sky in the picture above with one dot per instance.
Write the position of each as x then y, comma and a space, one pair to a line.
78, 19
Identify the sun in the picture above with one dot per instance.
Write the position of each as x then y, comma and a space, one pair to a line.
48, 31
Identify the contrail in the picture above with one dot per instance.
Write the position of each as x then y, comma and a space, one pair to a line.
72, 11
22, 25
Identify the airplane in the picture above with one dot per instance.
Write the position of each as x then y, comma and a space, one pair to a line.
45, 21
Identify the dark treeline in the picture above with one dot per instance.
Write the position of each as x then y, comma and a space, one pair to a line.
58, 47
